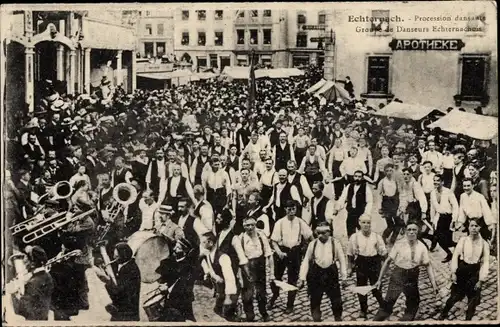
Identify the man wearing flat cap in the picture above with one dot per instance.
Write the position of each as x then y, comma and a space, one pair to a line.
165, 226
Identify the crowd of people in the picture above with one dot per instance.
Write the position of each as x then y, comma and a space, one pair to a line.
230, 188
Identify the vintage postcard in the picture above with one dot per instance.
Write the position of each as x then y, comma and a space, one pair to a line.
265, 163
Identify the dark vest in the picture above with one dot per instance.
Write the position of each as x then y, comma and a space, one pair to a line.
181, 188
119, 177
227, 247
196, 211
274, 137
234, 163
360, 198
311, 169
282, 155
296, 183
199, 166
285, 194
190, 233
155, 180
319, 213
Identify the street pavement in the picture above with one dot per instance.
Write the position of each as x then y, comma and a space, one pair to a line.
429, 306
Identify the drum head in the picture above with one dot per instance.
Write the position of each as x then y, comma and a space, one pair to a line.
148, 258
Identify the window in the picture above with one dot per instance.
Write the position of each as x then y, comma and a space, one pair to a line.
219, 38
241, 13
254, 13
148, 49
160, 49
159, 29
301, 40
299, 61
378, 75
301, 19
321, 19
241, 36
202, 38
267, 13
202, 61
380, 21
202, 14
149, 29
473, 82
214, 61
185, 15
267, 36
219, 14
148, 13
185, 38
254, 39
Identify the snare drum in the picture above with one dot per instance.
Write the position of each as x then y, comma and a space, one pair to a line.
149, 250
154, 307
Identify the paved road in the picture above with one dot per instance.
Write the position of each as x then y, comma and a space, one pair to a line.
429, 307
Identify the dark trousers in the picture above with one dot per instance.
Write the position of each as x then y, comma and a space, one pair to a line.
352, 221
467, 277
217, 198
444, 236
402, 281
227, 311
292, 264
311, 178
255, 284
390, 206
321, 281
484, 231
367, 271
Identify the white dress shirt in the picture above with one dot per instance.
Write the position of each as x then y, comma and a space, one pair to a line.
269, 178
474, 206
447, 204
472, 252
427, 182
323, 257
367, 246
289, 233
216, 180
306, 189
252, 246
350, 165
433, 156
148, 212
342, 202
206, 215
198, 226
161, 170
293, 192
407, 258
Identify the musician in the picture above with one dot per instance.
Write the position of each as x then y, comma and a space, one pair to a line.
256, 247
288, 234
125, 293
218, 186
80, 175
218, 267
199, 166
408, 257
55, 171
165, 226
444, 211
365, 252
203, 209
148, 207
121, 173
156, 172
25, 189
175, 187
357, 198
283, 152
320, 270
282, 192
474, 205
177, 273
470, 267
80, 199
388, 189
34, 303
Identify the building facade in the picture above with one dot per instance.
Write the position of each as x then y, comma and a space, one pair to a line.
155, 34
64, 46
441, 56
204, 37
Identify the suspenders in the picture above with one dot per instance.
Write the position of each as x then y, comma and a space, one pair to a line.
314, 250
300, 232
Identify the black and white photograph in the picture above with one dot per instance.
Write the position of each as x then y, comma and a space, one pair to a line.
264, 163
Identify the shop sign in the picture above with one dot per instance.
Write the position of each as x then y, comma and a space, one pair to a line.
426, 44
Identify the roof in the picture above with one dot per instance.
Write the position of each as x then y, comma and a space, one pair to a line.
103, 35
405, 111
316, 86
476, 126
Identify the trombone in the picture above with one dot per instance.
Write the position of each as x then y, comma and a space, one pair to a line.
44, 230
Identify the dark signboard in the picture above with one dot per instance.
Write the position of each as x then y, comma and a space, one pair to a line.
426, 44
314, 27
321, 39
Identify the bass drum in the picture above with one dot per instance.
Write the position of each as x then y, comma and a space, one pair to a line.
149, 250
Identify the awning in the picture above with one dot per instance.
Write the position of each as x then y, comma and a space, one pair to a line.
405, 111
476, 126
316, 86
102, 35
167, 75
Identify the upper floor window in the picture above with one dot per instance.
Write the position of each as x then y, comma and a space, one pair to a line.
378, 75
321, 19
219, 38
240, 35
254, 38
202, 39
241, 13
202, 14
185, 15
473, 81
267, 13
159, 29
254, 13
148, 13
149, 29
185, 38
267, 36
301, 19
380, 21
219, 14
301, 40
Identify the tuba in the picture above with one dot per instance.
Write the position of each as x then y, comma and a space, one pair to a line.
61, 190
124, 194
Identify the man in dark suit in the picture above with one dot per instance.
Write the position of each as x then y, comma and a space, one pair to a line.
125, 293
34, 304
25, 189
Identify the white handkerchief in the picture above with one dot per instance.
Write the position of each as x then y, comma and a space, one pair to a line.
285, 286
363, 290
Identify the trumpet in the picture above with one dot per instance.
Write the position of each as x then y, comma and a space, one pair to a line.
18, 260
44, 230
34, 222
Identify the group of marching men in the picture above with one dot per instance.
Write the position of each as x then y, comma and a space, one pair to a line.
229, 214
